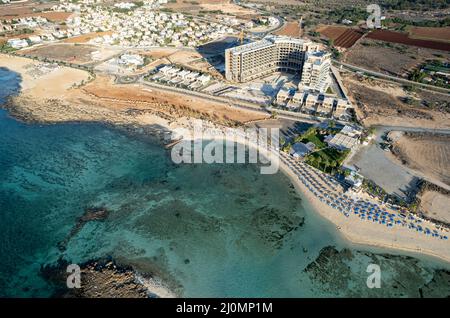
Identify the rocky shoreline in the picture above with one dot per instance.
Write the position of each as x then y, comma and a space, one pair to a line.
104, 278
124, 122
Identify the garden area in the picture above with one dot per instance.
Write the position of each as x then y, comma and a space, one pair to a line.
323, 157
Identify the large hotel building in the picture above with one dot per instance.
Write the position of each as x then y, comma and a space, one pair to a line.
272, 54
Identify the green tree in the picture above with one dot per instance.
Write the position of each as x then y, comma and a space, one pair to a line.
319, 161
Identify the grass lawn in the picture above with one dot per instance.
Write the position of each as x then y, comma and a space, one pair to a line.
315, 140
327, 159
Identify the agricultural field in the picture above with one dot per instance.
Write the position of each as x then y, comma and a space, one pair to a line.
390, 58
343, 37
403, 38
434, 34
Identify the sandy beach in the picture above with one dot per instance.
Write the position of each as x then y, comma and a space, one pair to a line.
373, 234
352, 228
51, 97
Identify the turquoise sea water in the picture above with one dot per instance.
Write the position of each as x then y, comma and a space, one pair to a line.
206, 230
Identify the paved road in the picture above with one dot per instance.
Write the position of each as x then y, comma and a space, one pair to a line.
260, 35
383, 129
239, 104
390, 77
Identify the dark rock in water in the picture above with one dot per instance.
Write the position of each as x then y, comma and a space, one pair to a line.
158, 267
176, 219
91, 214
101, 278
438, 286
187, 261
400, 275
274, 225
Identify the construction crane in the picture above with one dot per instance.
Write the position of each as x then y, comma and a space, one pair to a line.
300, 25
241, 37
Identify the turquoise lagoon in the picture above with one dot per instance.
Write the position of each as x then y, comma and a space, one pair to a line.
219, 230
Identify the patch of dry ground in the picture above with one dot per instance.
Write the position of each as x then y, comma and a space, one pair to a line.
184, 57
290, 29
381, 103
174, 104
51, 16
426, 153
86, 37
29, 9
388, 58
226, 6
187, 58
436, 206
172, 55
72, 53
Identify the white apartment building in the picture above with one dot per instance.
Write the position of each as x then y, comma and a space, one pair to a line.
282, 95
341, 108
326, 107
315, 74
271, 54
310, 104
298, 98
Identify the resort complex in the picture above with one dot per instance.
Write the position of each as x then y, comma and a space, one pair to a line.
309, 65
272, 54
223, 148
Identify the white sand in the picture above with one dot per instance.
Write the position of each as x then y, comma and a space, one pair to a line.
373, 234
52, 84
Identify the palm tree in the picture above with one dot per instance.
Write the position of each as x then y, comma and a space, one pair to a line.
326, 165
333, 165
319, 161
331, 124
312, 160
